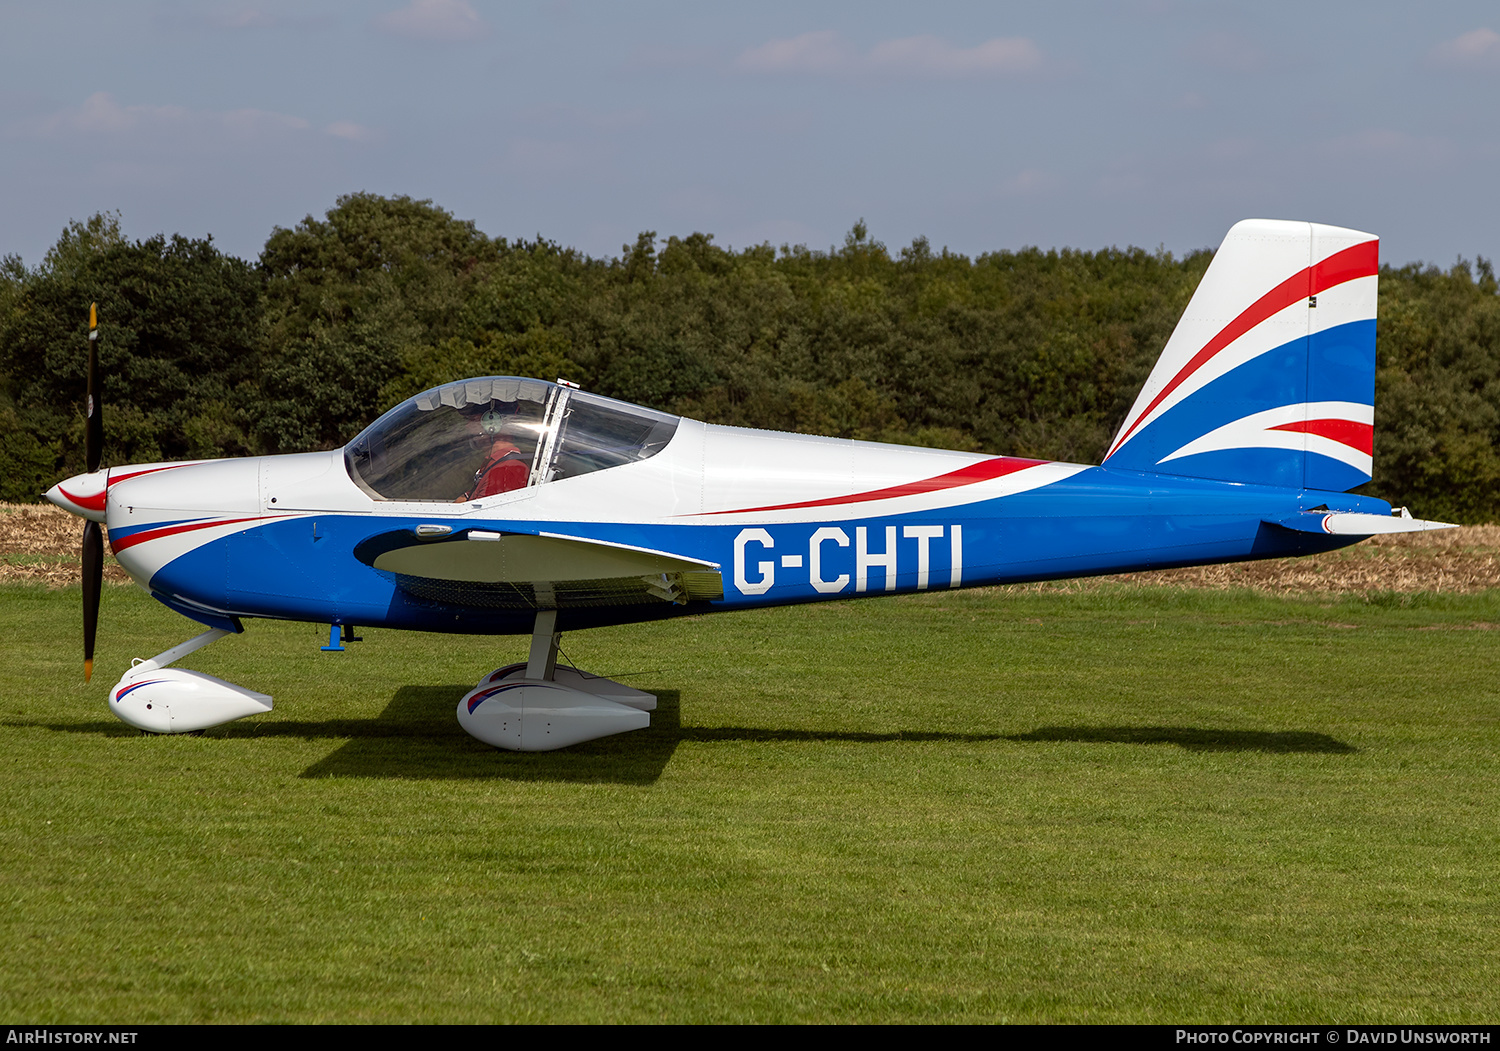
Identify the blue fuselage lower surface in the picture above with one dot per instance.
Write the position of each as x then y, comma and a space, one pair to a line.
1099, 520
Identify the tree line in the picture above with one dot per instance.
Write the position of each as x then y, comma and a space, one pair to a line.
1030, 352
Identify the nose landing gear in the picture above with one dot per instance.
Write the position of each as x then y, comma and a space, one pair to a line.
157, 699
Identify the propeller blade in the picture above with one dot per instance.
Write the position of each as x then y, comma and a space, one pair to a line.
93, 438
93, 536
93, 581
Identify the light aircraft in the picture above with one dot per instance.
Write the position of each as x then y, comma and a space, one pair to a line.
503, 505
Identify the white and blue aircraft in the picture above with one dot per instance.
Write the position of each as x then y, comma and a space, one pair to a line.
508, 506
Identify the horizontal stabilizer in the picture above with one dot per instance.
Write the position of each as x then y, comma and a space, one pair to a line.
1351, 523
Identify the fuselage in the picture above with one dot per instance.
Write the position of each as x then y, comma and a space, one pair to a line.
784, 518
510, 505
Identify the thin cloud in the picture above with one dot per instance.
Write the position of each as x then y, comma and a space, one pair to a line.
551, 157
821, 52
448, 21
695, 203
828, 54
238, 18
1233, 149
1226, 51
242, 18
658, 57
102, 114
930, 57
1478, 48
251, 122
557, 115
1391, 149
347, 129
1025, 183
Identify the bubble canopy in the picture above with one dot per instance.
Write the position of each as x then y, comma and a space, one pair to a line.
482, 437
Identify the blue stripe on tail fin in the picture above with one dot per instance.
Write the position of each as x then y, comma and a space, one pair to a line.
1269, 376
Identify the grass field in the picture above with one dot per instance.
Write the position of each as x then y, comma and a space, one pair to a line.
1114, 804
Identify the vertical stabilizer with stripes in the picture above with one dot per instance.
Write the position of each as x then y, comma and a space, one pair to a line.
1270, 375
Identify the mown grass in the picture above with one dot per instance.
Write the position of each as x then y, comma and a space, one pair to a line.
1115, 805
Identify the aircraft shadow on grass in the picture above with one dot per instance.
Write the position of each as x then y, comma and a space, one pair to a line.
435, 748
1193, 738
414, 738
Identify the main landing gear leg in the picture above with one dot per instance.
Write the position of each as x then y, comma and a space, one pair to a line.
537, 706
541, 664
157, 699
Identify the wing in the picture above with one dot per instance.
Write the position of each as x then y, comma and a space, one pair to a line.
493, 570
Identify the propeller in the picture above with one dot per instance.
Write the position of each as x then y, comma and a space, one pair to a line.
93, 536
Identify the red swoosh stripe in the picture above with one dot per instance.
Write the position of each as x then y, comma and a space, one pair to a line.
155, 534
1360, 260
983, 471
113, 478
1359, 436
96, 502
91, 503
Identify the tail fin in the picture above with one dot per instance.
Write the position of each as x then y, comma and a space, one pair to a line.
1269, 376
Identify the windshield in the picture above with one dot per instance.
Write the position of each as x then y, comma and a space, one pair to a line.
483, 437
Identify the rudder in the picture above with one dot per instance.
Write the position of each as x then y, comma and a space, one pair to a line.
1269, 377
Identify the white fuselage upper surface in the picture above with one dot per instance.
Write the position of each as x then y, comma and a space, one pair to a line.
707, 474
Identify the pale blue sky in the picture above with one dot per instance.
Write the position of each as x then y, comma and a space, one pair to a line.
980, 125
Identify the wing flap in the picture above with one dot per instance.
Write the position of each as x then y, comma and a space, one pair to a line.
529, 571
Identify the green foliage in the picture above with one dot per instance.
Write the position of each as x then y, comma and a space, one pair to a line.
1026, 352
537, 352
1437, 396
1029, 352
346, 299
178, 323
28, 464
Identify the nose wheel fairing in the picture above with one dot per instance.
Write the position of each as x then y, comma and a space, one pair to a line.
158, 699
178, 700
